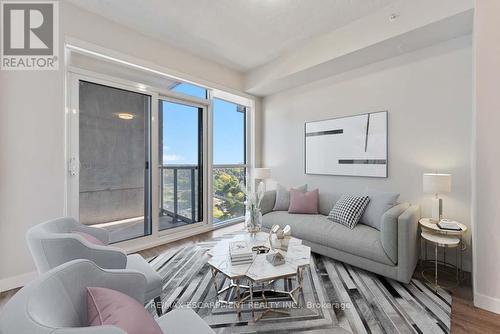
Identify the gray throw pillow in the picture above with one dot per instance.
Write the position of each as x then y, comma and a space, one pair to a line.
283, 197
380, 202
348, 210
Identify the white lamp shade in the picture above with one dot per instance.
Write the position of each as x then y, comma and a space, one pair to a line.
437, 183
262, 173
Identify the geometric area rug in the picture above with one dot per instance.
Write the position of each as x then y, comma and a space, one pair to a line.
337, 298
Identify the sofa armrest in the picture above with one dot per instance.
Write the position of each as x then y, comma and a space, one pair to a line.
389, 230
268, 201
408, 249
67, 247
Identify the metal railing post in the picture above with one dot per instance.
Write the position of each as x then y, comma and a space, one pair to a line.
161, 190
193, 208
175, 195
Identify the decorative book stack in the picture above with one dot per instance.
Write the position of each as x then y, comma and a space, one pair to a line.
240, 252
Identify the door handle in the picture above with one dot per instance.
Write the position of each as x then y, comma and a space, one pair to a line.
74, 166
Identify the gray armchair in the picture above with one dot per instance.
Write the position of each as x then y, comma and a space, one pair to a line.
56, 303
56, 242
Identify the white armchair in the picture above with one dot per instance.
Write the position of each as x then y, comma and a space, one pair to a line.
56, 303
56, 242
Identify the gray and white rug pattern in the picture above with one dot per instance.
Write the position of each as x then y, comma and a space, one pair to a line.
337, 298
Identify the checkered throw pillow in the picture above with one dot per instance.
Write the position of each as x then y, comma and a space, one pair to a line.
348, 210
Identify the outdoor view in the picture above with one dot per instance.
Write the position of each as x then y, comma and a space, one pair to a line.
229, 160
179, 173
180, 153
228, 197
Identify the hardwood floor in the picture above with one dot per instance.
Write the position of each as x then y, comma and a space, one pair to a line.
466, 319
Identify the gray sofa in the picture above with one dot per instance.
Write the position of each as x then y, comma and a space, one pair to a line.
56, 303
390, 252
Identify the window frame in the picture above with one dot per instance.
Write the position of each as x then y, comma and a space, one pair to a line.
245, 165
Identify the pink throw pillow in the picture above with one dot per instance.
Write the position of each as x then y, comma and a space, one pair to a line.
90, 238
110, 307
304, 202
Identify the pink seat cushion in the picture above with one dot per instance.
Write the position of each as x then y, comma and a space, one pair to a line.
110, 307
90, 238
304, 202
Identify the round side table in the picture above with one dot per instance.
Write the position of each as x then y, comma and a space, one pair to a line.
431, 233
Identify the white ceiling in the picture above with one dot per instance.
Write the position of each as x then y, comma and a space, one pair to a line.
241, 34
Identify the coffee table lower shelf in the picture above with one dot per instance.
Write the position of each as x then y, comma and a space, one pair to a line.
246, 293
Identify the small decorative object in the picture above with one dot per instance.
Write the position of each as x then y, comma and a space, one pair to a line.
447, 224
253, 216
260, 249
282, 237
436, 184
287, 235
352, 145
275, 258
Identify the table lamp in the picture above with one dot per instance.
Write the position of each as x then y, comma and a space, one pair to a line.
436, 184
261, 174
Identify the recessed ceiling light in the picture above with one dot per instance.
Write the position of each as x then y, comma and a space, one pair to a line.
125, 115
393, 17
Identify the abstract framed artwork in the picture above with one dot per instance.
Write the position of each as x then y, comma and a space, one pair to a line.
350, 146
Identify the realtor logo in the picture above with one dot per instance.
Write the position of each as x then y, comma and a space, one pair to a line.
29, 35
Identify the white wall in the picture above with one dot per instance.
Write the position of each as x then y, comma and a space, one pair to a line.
486, 190
32, 166
428, 94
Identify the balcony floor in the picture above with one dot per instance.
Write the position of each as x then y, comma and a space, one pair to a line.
134, 228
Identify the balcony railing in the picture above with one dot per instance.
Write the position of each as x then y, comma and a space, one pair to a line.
179, 200
178, 195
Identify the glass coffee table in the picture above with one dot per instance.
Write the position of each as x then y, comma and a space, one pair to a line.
259, 275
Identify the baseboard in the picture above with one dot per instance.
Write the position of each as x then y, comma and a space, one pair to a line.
487, 303
18, 281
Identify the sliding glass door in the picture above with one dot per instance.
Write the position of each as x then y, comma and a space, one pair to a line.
181, 164
229, 160
146, 163
114, 156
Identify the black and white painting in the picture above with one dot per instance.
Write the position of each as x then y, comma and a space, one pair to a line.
353, 146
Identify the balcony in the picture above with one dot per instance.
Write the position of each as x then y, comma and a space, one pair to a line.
179, 201
179, 196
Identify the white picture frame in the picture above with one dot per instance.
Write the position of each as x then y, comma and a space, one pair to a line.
348, 146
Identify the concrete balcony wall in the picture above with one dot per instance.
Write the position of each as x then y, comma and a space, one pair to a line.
112, 154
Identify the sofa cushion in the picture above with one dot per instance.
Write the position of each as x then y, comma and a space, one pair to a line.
303, 202
283, 197
110, 307
267, 203
326, 202
380, 202
348, 210
362, 240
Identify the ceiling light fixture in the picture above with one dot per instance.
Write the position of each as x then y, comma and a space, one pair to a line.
393, 17
125, 115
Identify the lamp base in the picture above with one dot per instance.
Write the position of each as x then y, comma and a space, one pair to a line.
436, 209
